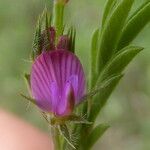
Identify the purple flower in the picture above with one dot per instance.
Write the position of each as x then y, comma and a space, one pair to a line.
57, 81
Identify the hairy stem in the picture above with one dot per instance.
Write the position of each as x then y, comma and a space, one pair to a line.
56, 139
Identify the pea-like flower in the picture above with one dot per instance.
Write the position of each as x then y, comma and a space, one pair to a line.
57, 81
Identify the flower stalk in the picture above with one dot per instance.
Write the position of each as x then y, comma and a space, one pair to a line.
58, 12
56, 138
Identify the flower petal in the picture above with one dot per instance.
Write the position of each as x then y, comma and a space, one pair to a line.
67, 101
51, 73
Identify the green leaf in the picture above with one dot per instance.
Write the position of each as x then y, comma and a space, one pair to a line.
96, 134
119, 61
94, 48
99, 87
108, 9
112, 31
101, 98
115, 66
135, 24
66, 134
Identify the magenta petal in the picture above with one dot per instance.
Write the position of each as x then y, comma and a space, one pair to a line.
54, 74
73, 80
54, 99
67, 101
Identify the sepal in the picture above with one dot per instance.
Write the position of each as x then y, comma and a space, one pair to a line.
72, 37
63, 129
29, 99
36, 46
27, 79
71, 118
42, 35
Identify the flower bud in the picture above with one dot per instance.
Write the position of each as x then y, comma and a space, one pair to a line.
63, 42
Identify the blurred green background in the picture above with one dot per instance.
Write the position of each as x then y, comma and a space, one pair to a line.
128, 109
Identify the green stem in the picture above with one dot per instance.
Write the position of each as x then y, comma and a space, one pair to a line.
58, 18
56, 139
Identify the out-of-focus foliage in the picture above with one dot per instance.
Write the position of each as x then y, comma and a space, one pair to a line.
128, 110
